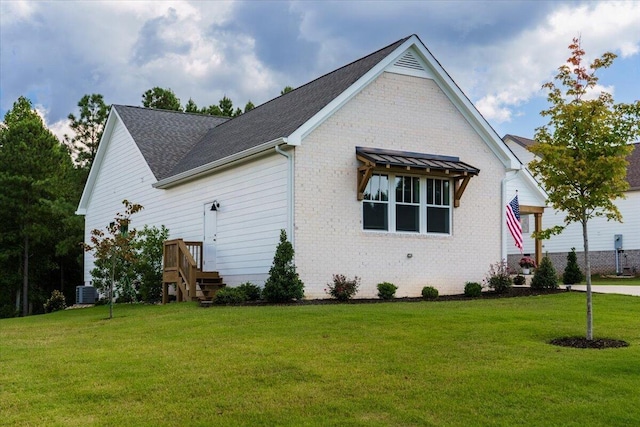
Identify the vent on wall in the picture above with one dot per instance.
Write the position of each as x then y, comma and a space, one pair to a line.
408, 60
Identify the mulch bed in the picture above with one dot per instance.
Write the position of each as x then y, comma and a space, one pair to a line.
582, 342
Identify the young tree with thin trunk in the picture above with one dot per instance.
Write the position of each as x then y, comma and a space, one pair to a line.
583, 149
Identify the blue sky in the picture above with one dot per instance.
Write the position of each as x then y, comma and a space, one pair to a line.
499, 53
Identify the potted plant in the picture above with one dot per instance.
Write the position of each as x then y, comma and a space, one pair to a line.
527, 263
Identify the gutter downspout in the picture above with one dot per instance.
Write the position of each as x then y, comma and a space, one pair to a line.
503, 214
290, 193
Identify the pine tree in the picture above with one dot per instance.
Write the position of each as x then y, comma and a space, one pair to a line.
572, 273
545, 276
283, 283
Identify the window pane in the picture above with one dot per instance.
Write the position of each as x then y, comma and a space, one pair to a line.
416, 190
445, 193
407, 218
384, 188
407, 189
437, 220
429, 191
399, 185
438, 198
375, 216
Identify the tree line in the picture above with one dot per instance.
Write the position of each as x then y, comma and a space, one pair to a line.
41, 182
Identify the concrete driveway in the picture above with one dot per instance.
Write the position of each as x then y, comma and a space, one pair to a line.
615, 289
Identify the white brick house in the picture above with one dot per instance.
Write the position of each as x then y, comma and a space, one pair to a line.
382, 169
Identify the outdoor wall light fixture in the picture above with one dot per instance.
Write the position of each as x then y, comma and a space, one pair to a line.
215, 205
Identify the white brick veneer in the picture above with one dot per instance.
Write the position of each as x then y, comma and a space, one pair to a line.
402, 113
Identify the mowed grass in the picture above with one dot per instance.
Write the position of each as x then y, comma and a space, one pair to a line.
610, 281
478, 362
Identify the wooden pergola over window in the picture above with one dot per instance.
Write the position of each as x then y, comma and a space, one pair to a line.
415, 163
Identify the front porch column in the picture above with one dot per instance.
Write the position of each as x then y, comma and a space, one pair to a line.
538, 219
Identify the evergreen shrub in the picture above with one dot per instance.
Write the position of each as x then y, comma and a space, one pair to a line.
545, 276
472, 289
572, 273
283, 283
252, 292
229, 296
387, 290
429, 292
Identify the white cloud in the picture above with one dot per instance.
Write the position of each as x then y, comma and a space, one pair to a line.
520, 66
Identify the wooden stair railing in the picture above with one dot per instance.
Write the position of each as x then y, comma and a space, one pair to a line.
182, 266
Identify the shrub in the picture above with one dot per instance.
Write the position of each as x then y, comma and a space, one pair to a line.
283, 283
519, 280
7, 311
545, 276
472, 289
227, 296
252, 292
387, 290
149, 245
572, 273
429, 292
498, 277
342, 288
55, 303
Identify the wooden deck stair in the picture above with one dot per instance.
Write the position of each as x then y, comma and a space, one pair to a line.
182, 267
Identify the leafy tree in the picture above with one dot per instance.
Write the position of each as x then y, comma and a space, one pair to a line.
545, 276
149, 246
161, 99
286, 89
583, 150
115, 255
283, 283
36, 197
88, 128
249, 106
191, 107
572, 273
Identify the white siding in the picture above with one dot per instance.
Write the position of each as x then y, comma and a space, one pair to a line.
252, 197
601, 231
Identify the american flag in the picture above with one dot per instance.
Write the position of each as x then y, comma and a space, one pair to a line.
513, 221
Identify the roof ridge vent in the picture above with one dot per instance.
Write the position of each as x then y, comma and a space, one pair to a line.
408, 60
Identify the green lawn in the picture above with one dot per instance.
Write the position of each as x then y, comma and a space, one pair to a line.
479, 362
598, 280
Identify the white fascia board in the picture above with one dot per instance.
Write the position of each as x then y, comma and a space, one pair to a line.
191, 174
97, 161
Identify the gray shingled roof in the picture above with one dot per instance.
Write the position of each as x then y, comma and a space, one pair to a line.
279, 117
525, 142
164, 137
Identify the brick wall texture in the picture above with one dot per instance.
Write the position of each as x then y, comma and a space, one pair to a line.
602, 262
402, 113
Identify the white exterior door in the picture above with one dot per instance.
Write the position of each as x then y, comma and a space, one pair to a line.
209, 241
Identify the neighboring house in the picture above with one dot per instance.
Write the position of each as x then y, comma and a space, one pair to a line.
381, 169
605, 258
